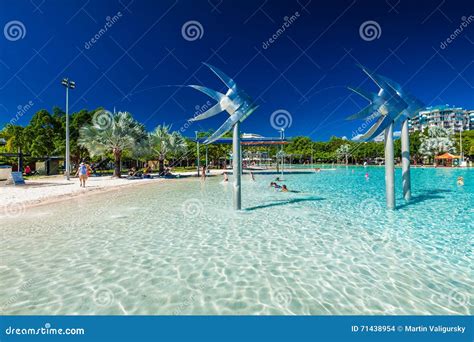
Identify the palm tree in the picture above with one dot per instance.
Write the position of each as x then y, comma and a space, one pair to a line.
344, 151
112, 133
164, 144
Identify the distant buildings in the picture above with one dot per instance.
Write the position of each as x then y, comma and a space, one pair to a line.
452, 118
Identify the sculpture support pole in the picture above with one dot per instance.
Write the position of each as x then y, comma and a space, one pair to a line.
237, 166
389, 167
198, 157
406, 161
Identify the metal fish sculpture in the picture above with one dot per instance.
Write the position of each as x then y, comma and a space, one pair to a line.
414, 104
235, 101
386, 107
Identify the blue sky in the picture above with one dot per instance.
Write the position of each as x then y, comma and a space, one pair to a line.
304, 71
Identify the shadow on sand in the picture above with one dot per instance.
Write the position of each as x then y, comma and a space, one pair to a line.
284, 202
425, 196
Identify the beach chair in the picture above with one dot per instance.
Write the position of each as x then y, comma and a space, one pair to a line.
16, 178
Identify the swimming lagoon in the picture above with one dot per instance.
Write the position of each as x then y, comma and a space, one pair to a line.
178, 248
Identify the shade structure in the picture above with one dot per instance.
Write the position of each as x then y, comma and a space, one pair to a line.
447, 156
248, 141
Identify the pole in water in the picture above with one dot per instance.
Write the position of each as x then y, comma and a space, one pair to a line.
237, 165
406, 177
282, 136
389, 167
198, 157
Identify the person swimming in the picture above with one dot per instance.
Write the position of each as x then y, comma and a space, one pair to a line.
274, 185
367, 175
460, 181
284, 188
226, 178
252, 176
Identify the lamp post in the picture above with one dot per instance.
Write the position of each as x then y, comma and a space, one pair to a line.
69, 85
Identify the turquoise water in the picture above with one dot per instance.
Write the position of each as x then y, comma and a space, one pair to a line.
176, 247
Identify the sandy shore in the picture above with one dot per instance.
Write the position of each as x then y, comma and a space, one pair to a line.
48, 189
53, 188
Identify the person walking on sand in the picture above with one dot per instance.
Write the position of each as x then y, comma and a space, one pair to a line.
83, 172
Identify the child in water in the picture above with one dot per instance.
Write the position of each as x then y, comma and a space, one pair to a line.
367, 176
275, 185
460, 181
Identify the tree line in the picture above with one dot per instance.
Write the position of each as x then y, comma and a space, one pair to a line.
99, 135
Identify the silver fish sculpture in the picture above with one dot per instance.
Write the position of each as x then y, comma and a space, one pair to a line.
235, 101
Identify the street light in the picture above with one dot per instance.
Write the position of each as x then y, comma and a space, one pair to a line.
69, 85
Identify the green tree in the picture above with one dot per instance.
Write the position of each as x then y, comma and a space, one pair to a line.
15, 141
41, 134
165, 144
114, 134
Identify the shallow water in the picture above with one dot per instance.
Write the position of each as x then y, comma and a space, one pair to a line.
176, 247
